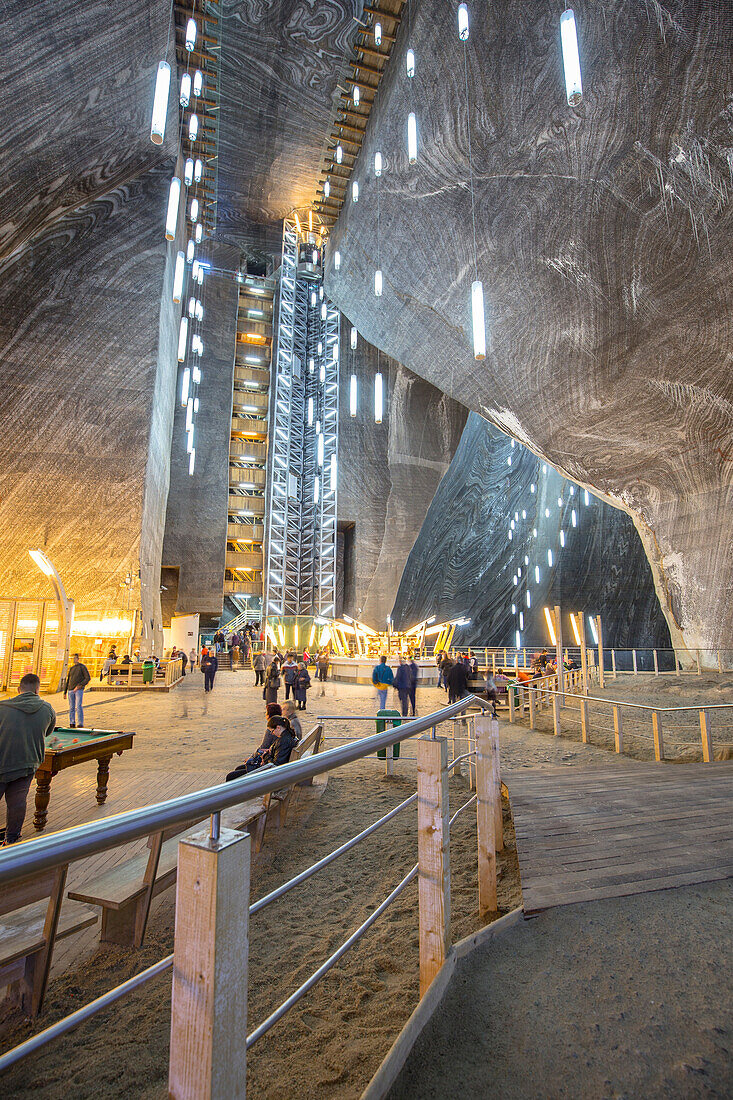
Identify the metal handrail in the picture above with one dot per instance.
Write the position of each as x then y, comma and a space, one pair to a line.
41, 854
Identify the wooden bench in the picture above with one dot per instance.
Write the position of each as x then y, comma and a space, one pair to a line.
281, 799
32, 918
125, 893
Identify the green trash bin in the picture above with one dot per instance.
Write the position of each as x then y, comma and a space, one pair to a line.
381, 727
148, 672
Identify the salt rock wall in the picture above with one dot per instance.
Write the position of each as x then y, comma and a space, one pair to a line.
388, 472
196, 522
603, 242
464, 562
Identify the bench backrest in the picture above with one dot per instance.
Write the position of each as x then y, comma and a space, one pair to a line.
27, 890
309, 746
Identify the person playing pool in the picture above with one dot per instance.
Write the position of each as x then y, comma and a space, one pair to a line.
24, 723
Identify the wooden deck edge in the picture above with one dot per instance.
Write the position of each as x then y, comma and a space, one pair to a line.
401, 1048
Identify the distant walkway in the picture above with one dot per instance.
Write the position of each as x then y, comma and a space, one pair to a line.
585, 833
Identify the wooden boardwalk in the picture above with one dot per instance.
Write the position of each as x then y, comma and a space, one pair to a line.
585, 833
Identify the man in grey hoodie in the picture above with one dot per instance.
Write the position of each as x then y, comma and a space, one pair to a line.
25, 721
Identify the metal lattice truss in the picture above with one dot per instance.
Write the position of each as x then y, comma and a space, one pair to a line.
300, 558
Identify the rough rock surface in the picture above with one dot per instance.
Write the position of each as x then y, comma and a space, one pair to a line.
603, 242
464, 563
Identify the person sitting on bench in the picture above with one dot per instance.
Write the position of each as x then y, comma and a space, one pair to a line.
277, 745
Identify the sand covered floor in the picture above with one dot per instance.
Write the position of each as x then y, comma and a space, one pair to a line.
610, 999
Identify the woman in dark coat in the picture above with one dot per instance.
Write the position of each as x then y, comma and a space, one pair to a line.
272, 683
302, 683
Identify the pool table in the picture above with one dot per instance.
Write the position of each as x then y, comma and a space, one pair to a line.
66, 747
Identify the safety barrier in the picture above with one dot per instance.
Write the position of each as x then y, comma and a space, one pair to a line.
208, 1009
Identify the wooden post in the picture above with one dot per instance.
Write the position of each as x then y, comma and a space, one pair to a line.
129, 675
656, 664
496, 773
613, 663
472, 759
208, 1056
699, 670
510, 698
584, 720
485, 818
530, 693
583, 652
618, 729
658, 739
556, 714
504, 656
707, 741
558, 654
633, 652
433, 853
601, 662
493, 662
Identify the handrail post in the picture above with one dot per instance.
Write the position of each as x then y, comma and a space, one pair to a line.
208, 1055
433, 853
485, 818
720, 662
472, 748
530, 693
496, 773
618, 729
613, 663
707, 741
699, 670
601, 662
633, 654
658, 738
558, 653
584, 720
656, 664
556, 714
583, 652
510, 699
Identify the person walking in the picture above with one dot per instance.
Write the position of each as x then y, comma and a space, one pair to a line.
414, 674
302, 683
77, 679
445, 666
382, 678
192, 658
219, 641
290, 672
184, 661
457, 682
439, 664
209, 665
322, 663
271, 682
259, 664
402, 684
25, 722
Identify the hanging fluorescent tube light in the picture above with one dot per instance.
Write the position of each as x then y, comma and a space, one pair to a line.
185, 386
323, 311
339, 153
160, 103
479, 323
320, 292
314, 256
189, 441
192, 308
377, 34
352, 395
318, 427
574, 625
337, 260
198, 170
192, 462
335, 353
193, 127
354, 337
182, 339
171, 217
200, 276
571, 58
190, 251
199, 311
190, 34
196, 376
378, 282
319, 347
518, 639
198, 233
356, 95
355, 191
313, 298
311, 365
198, 82
549, 557
550, 625
377, 164
322, 372
178, 274
194, 210
378, 399
411, 137
327, 188
195, 270
562, 538
410, 63
185, 93
188, 172
462, 22
333, 473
